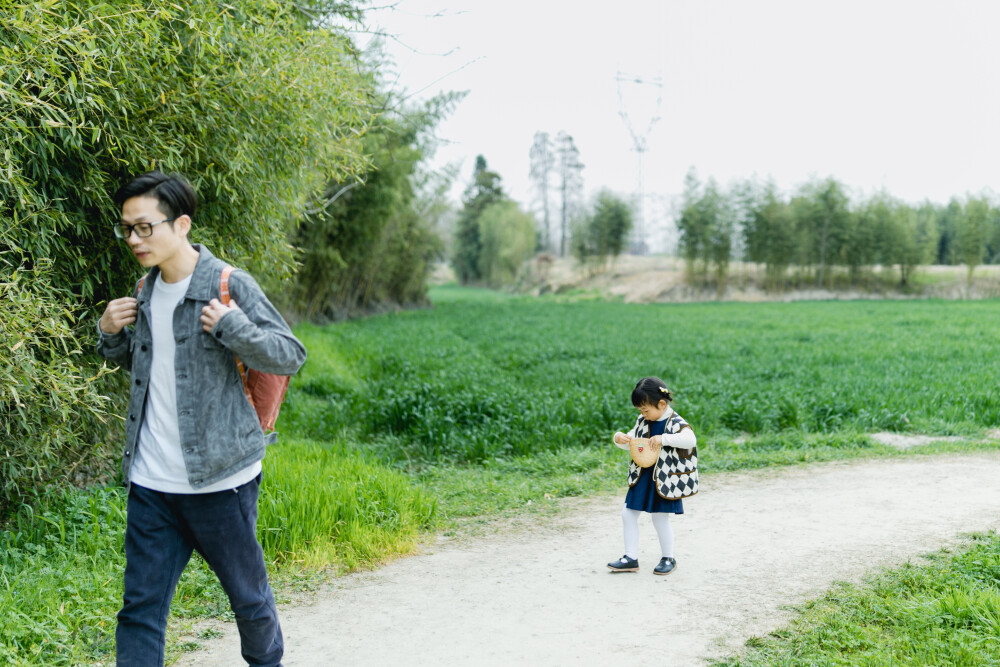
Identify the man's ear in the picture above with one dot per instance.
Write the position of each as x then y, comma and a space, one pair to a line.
182, 223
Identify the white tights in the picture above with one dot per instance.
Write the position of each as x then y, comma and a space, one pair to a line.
664, 531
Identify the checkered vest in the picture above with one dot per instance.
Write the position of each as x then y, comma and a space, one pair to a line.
676, 470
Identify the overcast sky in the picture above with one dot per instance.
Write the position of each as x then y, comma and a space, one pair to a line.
896, 94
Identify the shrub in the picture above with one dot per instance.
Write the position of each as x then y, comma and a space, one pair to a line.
52, 414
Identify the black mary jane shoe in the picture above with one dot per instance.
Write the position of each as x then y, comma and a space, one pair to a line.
666, 566
624, 564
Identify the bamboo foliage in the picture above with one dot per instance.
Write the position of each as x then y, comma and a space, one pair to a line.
251, 99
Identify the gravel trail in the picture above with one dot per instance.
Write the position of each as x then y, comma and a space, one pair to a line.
537, 592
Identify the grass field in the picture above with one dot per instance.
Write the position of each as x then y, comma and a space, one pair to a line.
414, 422
945, 611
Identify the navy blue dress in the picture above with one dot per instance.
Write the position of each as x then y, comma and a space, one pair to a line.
643, 495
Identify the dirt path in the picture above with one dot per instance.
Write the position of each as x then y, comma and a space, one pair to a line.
540, 594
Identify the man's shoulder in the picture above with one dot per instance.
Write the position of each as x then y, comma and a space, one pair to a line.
210, 268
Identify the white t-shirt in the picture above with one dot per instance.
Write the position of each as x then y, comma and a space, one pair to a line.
159, 463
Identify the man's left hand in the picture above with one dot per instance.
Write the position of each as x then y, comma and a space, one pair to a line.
213, 312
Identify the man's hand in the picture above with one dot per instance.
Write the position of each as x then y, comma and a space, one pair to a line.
213, 312
119, 314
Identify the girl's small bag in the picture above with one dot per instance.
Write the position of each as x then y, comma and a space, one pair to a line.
643, 453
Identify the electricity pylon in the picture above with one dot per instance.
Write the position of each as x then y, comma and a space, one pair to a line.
640, 146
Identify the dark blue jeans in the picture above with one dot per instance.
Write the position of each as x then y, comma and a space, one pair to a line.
160, 534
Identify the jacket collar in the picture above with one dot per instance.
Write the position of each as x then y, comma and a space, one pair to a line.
204, 278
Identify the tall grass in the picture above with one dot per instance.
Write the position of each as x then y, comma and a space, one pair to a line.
325, 507
61, 580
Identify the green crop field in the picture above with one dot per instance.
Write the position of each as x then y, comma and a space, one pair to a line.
474, 380
486, 405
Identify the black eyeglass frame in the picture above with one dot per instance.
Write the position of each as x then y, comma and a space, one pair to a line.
124, 235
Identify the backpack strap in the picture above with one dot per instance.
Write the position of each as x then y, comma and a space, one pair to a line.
225, 298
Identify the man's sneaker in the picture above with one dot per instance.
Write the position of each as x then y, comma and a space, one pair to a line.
624, 564
666, 566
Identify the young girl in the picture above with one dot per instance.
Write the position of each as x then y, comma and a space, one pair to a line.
658, 422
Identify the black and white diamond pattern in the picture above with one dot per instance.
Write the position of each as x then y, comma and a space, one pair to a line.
676, 476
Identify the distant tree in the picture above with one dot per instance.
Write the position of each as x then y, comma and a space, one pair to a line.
993, 236
859, 246
484, 190
769, 235
914, 242
720, 212
507, 237
692, 225
948, 221
926, 229
824, 217
705, 226
570, 184
604, 232
543, 161
970, 236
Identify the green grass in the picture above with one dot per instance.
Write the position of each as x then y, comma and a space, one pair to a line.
323, 507
472, 381
944, 611
492, 405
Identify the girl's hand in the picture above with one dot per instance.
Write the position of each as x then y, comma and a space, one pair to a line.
621, 438
655, 440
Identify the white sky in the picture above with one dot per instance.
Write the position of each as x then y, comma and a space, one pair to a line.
894, 94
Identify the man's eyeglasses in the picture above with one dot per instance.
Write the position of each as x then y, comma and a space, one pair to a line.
141, 229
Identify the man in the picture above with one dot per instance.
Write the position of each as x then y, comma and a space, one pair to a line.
193, 444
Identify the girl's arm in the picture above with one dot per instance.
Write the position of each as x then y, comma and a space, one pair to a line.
683, 440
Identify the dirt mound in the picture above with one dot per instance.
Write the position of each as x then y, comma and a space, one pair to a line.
650, 279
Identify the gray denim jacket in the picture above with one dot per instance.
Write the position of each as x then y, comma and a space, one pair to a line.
220, 432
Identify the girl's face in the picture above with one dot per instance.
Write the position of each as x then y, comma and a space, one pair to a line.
652, 413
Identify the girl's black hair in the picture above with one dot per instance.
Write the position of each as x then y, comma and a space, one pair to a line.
650, 391
175, 195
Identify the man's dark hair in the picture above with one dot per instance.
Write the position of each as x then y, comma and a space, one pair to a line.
175, 194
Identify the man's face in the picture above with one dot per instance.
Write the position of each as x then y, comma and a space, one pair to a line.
166, 239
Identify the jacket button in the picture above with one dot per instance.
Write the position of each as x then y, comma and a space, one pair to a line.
189, 450
181, 376
128, 453
218, 334
143, 348
131, 417
138, 382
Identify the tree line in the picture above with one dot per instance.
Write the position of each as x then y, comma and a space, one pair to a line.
818, 236
493, 237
